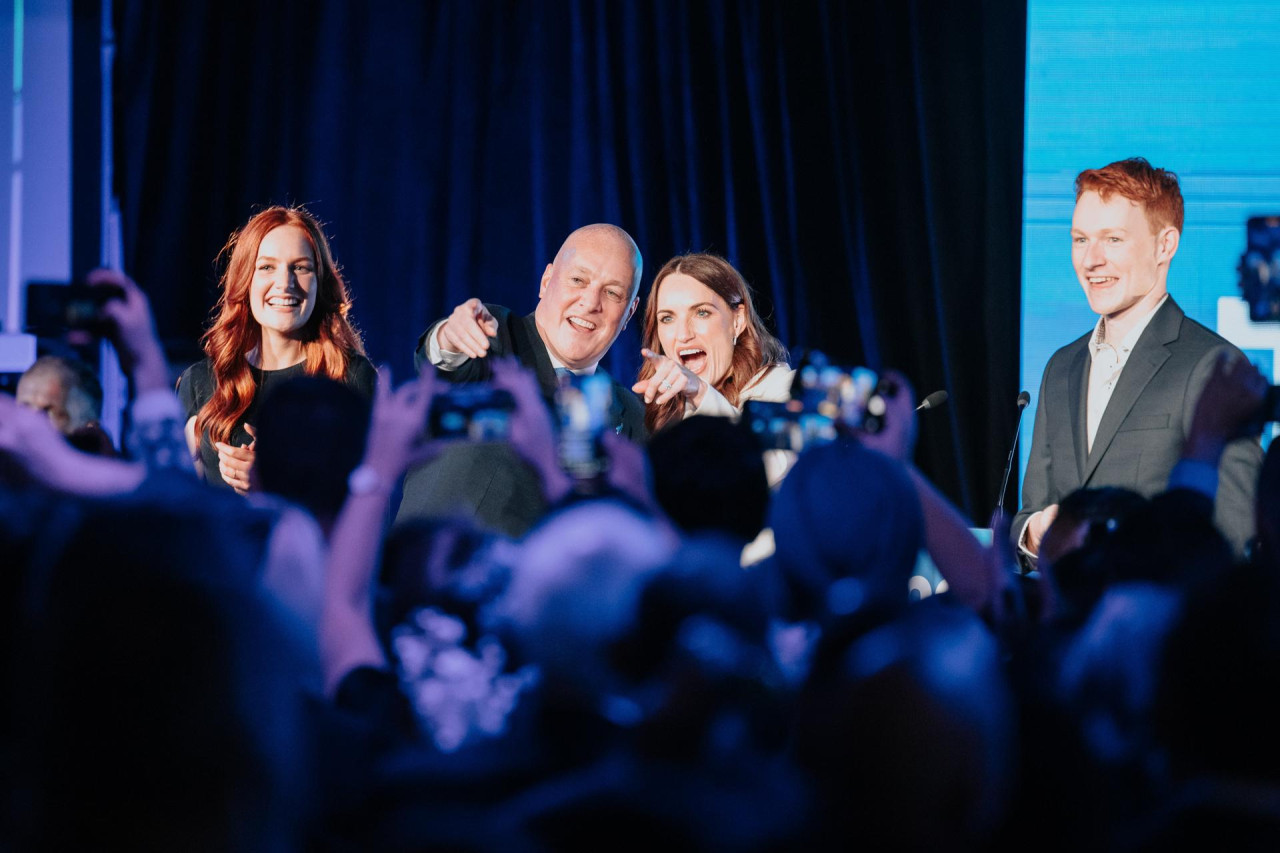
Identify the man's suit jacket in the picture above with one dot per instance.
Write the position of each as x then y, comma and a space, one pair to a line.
1143, 429
490, 482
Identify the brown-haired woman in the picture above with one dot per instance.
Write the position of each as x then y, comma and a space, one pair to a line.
706, 350
282, 313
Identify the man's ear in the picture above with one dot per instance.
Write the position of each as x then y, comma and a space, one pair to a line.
635, 303
1167, 244
546, 277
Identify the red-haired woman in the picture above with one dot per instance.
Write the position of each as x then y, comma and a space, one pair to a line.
707, 351
282, 313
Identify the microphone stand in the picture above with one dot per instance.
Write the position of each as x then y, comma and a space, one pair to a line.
1024, 399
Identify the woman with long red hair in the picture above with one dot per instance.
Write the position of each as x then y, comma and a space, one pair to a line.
282, 312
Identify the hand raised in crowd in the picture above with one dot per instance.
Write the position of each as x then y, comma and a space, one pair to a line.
629, 470
533, 436
1000, 567
532, 432
897, 437
235, 464
1229, 408
468, 329
30, 445
669, 379
397, 435
132, 331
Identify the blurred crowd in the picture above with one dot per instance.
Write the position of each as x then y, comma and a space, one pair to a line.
186, 668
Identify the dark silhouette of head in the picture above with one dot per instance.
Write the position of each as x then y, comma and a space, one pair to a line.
1268, 509
1069, 554
157, 693
311, 434
708, 475
848, 529
913, 711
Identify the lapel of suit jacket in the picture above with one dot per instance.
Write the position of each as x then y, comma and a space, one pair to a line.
1149, 353
532, 352
1078, 402
617, 410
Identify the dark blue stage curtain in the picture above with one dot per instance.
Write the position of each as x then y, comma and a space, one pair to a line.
860, 162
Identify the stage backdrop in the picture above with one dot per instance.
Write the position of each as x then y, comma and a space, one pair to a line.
860, 163
1192, 86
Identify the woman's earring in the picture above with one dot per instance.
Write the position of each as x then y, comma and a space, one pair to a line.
735, 340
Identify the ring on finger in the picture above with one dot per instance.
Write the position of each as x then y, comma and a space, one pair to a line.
665, 384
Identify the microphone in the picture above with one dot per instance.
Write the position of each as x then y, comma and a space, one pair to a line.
933, 401
1024, 400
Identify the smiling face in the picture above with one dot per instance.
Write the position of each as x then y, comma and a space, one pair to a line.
282, 295
697, 327
587, 296
1119, 262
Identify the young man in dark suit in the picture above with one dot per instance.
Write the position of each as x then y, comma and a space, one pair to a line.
1115, 405
586, 296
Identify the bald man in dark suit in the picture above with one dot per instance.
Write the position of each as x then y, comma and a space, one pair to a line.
586, 297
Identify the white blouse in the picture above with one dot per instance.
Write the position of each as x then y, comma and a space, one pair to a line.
772, 385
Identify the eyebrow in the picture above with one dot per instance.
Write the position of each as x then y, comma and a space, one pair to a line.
691, 307
591, 273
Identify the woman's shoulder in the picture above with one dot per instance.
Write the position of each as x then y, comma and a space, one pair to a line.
195, 385
771, 383
362, 375
200, 371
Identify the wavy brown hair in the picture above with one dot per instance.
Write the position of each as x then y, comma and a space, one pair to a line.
328, 339
755, 350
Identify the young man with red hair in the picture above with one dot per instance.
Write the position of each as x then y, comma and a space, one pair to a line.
1115, 405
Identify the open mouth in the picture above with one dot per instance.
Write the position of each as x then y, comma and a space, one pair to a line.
1101, 280
582, 325
693, 358
283, 303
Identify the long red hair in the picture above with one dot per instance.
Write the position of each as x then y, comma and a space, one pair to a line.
329, 339
756, 348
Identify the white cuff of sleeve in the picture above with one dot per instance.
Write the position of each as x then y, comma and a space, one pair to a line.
714, 404
442, 358
1022, 538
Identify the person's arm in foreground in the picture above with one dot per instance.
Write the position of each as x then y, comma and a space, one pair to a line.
1225, 412
347, 637
962, 560
31, 444
156, 429
45, 458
